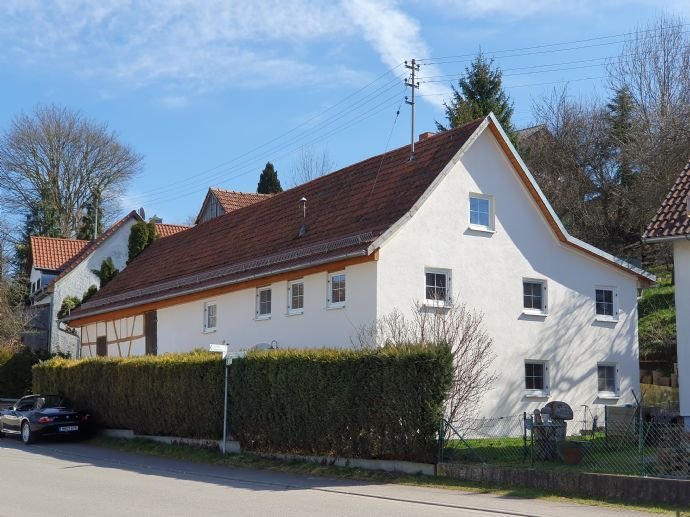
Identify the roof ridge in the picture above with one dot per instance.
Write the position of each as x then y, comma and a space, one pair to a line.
58, 238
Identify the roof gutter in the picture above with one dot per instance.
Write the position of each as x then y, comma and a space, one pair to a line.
246, 278
670, 238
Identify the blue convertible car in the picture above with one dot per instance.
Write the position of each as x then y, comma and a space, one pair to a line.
42, 415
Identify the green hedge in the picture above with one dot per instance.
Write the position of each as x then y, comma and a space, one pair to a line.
172, 395
366, 403
15, 371
383, 404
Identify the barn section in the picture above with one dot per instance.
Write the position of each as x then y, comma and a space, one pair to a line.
123, 337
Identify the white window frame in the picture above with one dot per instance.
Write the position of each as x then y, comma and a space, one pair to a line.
491, 227
207, 305
544, 392
259, 314
331, 304
449, 279
614, 298
616, 388
290, 309
544, 297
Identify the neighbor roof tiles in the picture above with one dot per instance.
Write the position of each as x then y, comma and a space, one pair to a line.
671, 219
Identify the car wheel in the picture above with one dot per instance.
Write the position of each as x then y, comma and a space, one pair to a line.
28, 436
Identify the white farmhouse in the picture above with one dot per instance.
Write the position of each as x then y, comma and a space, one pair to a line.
462, 220
64, 267
671, 224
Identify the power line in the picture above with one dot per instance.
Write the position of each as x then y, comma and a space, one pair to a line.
551, 45
317, 116
364, 116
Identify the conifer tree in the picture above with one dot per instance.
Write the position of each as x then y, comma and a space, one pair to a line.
480, 92
268, 181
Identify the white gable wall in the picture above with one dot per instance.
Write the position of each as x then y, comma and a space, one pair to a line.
487, 273
77, 281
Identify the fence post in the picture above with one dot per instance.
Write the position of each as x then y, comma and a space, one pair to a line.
641, 439
524, 435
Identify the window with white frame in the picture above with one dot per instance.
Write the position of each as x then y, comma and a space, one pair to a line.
210, 316
263, 303
607, 379
536, 378
437, 286
336, 289
606, 303
481, 212
296, 297
534, 296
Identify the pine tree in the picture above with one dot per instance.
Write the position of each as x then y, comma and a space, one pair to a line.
620, 119
268, 181
480, 93
43, 219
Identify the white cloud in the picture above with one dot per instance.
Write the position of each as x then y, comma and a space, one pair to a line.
396, 36
186, 47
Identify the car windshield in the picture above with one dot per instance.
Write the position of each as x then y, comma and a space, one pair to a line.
47, 401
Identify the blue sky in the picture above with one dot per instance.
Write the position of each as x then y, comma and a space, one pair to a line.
209, 90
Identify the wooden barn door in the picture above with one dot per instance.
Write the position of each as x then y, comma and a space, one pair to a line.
151, 332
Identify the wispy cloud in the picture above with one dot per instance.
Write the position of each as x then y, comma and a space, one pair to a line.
396, 36
187, 48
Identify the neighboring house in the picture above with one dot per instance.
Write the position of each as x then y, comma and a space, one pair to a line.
671, 224
219, 201
64, 267
309, 267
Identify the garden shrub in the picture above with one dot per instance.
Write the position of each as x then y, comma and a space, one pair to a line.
15, 370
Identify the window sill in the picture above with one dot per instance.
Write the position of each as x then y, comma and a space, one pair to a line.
608, 396
263, 318
533, 312
209, 331
483, 229
295, 313
332, 307
436, 304
606, 319
536, 394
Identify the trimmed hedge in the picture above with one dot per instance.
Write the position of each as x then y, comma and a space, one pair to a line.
384, 403
172, 395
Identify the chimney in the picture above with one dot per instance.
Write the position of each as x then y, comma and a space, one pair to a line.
424, 136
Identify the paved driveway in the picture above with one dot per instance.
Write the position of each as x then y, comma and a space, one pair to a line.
74, 479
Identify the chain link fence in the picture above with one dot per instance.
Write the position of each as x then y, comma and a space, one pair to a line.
609, 440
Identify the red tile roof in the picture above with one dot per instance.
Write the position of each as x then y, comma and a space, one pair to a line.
231, 200
671, 219
52, 253
346, 211
166, 230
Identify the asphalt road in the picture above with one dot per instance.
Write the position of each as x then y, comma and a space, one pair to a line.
74, 479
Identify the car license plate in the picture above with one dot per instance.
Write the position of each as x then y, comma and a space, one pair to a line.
67, 428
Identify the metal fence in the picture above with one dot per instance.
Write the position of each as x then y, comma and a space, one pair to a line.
611, 440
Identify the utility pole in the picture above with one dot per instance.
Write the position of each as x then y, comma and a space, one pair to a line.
414, 68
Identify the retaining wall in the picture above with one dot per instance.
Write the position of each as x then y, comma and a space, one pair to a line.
599, 486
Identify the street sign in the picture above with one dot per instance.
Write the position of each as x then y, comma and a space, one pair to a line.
233, 355
218, 348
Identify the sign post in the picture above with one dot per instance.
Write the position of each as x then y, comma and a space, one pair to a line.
227, 358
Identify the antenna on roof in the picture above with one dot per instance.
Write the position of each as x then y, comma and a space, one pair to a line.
414, 68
